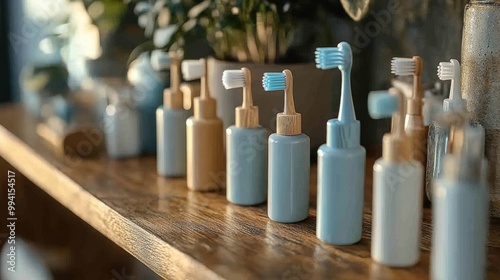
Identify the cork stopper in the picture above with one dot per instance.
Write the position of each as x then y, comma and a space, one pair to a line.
289, 122
396, 146
205, 106
414, 105
172, 97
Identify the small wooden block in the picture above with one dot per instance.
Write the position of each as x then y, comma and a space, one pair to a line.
84, 142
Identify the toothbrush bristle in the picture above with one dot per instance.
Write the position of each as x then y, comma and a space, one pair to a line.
446, 71
382, 104
192, 69
329, 58
274, 81
233, 79
402, 66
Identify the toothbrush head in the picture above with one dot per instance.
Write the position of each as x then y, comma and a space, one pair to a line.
339, 57
193, 69
233, 79
449, 70
272, 81
389, 103
382, 104
402, 66
289, 122
160, 60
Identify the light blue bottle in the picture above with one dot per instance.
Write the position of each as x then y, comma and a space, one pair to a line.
121, 130
149, 84
289, 158
63, 108
341, 161
171, 126
460, 206
246, 144
171, 152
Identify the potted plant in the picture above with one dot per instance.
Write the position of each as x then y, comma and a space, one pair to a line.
266, 36
160, 20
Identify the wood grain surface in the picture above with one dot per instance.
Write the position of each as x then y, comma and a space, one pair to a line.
181, 234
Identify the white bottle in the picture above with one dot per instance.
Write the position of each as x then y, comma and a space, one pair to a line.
460, 209
397, 212
121, 130
397, 189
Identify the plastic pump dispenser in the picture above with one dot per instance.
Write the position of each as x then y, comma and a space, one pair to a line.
171, 126
460, 205
289, 158
341, 162
204, 131
438, 133
246, 146
397, 189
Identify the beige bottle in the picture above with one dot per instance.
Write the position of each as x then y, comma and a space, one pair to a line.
204, 132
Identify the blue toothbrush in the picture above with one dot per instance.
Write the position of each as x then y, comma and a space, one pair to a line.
341, 161
341, 58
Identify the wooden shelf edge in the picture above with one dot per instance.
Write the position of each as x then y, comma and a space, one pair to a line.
167, 261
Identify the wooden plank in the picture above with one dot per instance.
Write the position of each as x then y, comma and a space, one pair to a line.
191, 235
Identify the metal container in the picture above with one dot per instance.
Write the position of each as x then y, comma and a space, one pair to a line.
481, 81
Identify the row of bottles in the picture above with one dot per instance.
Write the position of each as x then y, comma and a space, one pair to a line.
276, 167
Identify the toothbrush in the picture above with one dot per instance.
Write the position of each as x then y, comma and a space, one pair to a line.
397, 188
246, 146
171, 124
341, 161
451, 71
460, 204
414, 124
289, 156
439, 133
204, 134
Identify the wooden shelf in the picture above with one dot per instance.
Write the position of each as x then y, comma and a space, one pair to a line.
181, 234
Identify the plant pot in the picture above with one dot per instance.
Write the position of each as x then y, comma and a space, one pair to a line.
313, 96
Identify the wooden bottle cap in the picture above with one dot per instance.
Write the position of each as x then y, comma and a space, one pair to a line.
205, 106
396, 146
189, 92
289, 122
172, 97
247, 115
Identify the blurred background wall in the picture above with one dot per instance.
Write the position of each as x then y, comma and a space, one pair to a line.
429, 28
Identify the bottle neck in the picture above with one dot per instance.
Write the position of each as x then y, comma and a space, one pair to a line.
342, 135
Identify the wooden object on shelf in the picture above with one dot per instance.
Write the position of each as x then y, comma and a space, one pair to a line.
204, 141
81, 141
